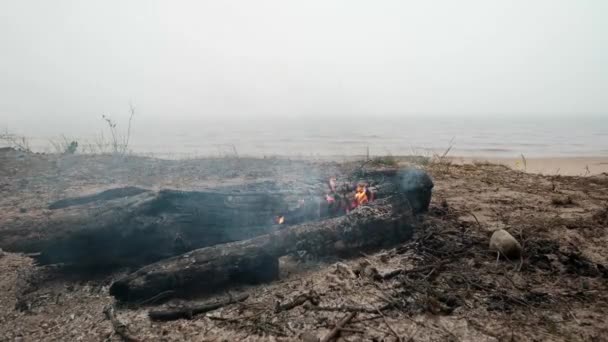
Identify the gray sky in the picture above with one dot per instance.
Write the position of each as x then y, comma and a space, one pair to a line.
74, 60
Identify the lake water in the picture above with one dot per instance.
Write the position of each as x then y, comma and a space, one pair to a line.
468, 136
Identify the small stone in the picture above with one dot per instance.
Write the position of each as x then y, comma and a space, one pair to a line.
506, 244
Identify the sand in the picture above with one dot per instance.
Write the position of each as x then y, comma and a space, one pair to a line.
452, 288
565, 166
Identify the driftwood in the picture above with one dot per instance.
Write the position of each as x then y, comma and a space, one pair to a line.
188, 312
383, 222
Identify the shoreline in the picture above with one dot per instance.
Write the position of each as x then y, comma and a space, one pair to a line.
548, 165
564, 166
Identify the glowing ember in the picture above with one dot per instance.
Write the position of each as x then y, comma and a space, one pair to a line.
361, 195
341, 199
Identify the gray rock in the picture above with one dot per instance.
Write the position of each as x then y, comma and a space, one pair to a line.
503, 242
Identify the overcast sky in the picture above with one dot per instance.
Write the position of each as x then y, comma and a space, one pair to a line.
74, 60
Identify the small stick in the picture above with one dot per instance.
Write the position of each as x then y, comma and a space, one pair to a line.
357, 331
119, 327
336, 331
389, 326
300, 299
366, 319
397, 272
347, 308
188, 312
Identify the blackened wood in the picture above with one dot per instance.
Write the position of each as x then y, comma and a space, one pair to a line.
383, 223
141, 227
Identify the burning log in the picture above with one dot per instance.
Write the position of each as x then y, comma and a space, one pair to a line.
133, 226
381, 223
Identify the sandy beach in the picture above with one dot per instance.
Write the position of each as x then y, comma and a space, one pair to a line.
565, 166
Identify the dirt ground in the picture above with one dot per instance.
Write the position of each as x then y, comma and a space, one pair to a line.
450, 287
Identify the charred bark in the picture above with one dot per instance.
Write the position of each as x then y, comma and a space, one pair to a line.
382, 223
141, 227
132, 226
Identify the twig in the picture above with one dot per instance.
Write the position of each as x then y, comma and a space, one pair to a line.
347, 308
336, 330
188, 312
357, 331
366, 319
300, 299
394, 273
126, 142
119, 327
475, 217
389, 326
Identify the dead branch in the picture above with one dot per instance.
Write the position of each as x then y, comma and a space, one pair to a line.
188, 312
119, 327
336, 330
300, 299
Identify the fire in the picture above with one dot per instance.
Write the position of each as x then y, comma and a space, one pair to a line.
361, 195
341, 199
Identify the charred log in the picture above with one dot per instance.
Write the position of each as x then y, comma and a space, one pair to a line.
132, 226
141, 227
383, 223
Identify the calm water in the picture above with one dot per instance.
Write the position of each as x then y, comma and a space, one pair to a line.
488, 137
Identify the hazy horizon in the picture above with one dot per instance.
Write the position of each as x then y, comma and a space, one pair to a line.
291, 71
68, 61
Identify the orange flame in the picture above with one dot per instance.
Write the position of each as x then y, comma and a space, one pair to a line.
361, 195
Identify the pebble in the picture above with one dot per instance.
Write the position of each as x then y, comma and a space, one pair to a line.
506, 244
